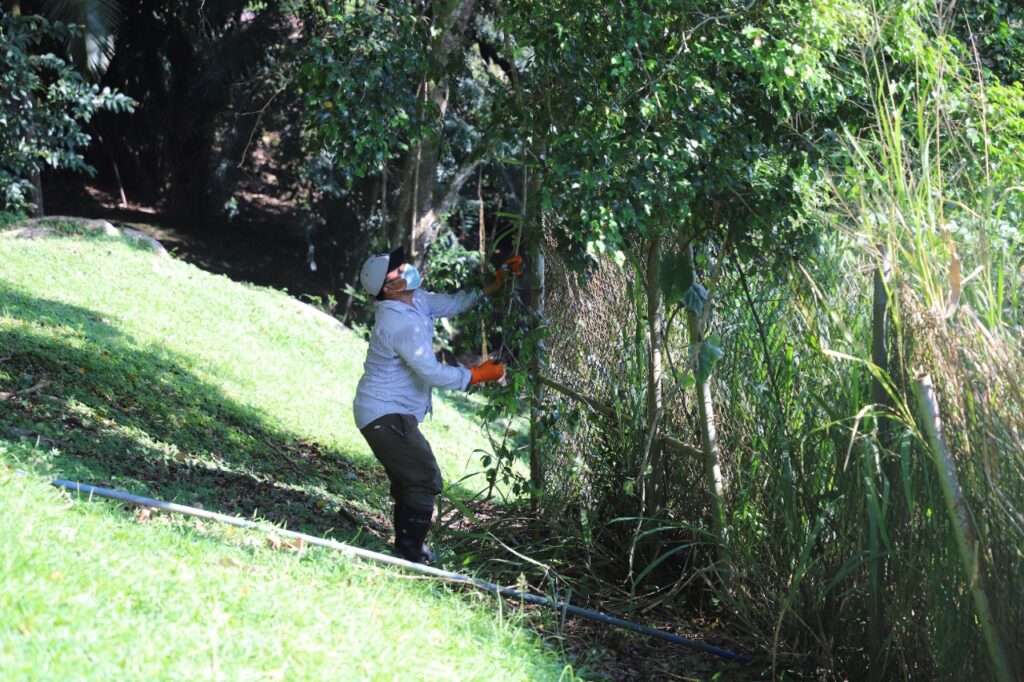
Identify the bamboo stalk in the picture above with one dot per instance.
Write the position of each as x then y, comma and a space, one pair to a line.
963, 531
879, 396
780, 416
880, 337
680, 446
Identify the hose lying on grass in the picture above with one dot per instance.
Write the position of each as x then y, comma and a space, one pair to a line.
367, 555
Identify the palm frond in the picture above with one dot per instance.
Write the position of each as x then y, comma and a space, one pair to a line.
92, 45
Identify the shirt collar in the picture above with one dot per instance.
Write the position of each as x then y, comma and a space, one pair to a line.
417, 299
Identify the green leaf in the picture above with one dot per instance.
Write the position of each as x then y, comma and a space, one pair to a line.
709, 355
695, 298
676, 277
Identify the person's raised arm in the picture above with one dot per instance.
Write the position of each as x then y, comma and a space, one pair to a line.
450, 305
419, 356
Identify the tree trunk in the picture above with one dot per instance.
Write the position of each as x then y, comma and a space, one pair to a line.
400, 228
37, 183
533, 220
417, 218
420, 209
428, 226
189, 160
709, 438
37, 176
655, 494
117, 171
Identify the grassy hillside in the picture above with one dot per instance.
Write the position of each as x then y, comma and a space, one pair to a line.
123, 368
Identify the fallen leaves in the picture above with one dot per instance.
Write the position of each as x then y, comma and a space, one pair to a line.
277, 543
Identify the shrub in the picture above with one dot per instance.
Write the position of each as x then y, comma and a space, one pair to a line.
43, 104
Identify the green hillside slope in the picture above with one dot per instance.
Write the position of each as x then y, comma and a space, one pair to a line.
121, 367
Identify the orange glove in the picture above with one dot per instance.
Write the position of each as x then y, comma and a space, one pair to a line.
515, 264
487, 371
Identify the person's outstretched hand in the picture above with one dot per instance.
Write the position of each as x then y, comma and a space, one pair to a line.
486, 371
513, 265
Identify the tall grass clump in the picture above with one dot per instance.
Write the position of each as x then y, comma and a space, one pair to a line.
868, 405
903, 553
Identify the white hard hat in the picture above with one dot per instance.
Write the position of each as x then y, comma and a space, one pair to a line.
372, 275
376, 268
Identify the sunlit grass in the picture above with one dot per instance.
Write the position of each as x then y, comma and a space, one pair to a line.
87, 592
140, 372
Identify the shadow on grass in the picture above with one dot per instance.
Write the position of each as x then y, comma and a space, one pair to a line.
137, 419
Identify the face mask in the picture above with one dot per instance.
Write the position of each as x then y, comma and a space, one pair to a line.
412, 277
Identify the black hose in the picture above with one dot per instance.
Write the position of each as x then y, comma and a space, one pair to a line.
366, 554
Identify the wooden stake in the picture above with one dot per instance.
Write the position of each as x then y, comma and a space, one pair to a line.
483, 254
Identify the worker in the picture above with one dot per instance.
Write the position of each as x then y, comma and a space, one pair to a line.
394, 393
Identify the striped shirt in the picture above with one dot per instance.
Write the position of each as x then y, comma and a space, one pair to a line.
400, 369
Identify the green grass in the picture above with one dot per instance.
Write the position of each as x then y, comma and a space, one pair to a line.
88, 593
123, 368
188, 385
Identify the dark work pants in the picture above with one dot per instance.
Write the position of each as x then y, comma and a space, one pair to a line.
400, 447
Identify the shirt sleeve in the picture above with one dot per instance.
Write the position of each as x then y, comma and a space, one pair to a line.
419, 356
450, 305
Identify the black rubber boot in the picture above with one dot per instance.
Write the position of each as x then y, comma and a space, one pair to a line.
411, 528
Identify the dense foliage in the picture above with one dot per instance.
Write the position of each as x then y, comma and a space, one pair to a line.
671, 125
44, 104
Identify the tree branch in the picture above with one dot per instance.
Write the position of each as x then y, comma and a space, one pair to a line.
607, 411
597, 406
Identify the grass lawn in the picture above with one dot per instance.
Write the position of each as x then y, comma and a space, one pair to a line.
125, 369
